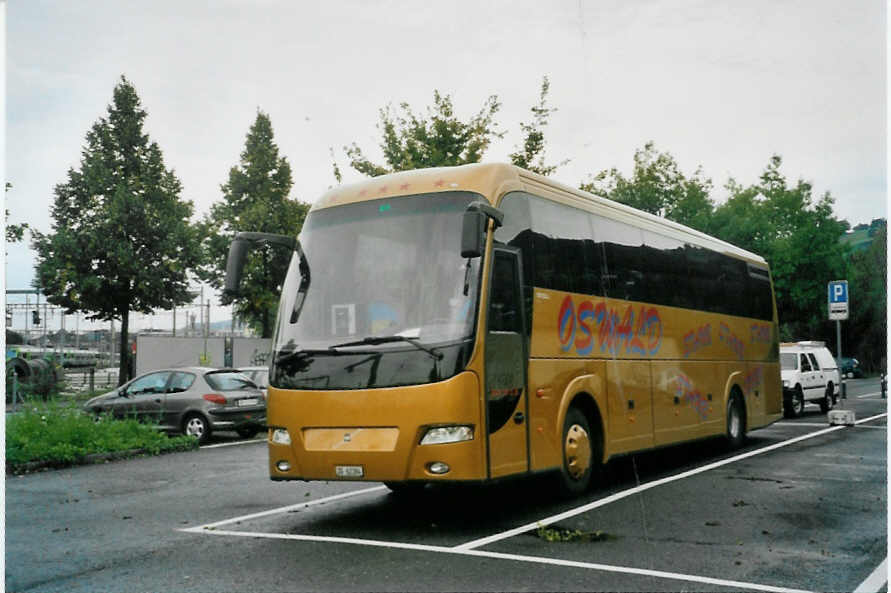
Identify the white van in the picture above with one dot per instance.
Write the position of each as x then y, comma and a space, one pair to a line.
810, 374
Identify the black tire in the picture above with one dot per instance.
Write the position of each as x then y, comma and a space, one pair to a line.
197, 426
828, 399
797, 407
735, 433
580, 453
247, 432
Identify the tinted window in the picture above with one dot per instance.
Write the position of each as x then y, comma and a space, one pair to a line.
813, 362
805, 365
568, 249
180, 382
229, 381
151, 383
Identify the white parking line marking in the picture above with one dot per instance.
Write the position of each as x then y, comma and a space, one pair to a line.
869, 395
736, 585
874, 582
233, 444
811, 424
643, 487
301, 505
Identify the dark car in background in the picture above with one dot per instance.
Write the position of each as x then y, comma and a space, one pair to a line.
849, 367
194, 401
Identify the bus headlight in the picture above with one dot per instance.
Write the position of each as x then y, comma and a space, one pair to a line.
447, 434
280, 436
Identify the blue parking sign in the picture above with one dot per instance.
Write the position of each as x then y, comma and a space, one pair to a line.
838, 300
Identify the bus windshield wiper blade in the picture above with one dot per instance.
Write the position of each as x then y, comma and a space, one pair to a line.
374, 340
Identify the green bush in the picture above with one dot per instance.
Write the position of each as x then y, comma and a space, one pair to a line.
59, 434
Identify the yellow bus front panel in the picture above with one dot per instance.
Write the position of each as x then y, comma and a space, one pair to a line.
377, 430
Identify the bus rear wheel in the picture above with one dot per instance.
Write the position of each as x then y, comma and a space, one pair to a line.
579, 451
736, 421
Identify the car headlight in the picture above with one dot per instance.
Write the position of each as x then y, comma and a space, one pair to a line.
785, 383
447, 434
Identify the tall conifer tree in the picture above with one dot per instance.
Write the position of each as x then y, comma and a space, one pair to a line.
121, 240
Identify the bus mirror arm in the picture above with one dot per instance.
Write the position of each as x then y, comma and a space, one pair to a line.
473, 228
238, 251
304, 282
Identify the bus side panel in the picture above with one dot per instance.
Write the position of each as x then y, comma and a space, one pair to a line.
630, 405
681, 406
549, 379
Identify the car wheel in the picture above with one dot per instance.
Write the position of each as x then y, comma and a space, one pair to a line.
736, 422
247, 432
827, 402
580, 448
797, 402
195, 425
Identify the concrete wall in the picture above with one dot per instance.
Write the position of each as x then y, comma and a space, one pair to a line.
156, 352
250, 352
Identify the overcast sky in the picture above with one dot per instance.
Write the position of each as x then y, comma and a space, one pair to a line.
719, 83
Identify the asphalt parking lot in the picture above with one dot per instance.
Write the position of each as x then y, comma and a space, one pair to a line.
802, 507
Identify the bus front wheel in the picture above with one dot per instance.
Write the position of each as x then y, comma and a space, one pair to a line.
578, 453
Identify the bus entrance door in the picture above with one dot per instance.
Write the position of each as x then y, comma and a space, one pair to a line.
506, 403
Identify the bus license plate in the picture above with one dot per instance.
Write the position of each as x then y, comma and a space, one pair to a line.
349, 471
248, 402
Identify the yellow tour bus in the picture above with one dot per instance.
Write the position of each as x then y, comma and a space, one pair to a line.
466, 324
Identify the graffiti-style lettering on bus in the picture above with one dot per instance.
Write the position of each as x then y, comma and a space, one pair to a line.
760, 333
580, 327
694, 398
697, 339
752, 379
729, 338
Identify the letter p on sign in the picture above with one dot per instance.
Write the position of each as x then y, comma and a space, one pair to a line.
838, 300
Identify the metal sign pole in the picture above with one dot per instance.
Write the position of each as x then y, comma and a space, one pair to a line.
844, 386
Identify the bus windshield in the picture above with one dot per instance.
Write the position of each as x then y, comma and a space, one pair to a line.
391, 301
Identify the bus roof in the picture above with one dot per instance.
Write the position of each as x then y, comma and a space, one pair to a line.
493, 180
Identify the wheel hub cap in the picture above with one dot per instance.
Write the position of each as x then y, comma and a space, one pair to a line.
577, 449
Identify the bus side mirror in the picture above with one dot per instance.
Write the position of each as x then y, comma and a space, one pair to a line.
238, 252
235, 266
473, 233
473, 228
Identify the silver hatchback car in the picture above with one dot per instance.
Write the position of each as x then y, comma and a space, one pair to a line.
192, 400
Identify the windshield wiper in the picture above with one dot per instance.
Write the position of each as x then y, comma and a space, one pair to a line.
374, 340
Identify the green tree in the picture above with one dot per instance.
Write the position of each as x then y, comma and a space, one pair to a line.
254, 199
121, 239
531, 156
440, 139
799, 237
658, 186
14, 232
865, 333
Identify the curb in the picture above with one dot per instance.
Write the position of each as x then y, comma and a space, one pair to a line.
90, 459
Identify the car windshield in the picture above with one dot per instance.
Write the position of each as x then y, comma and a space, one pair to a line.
228, 381
381, 271
788, 361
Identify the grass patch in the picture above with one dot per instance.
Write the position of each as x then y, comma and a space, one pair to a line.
60, 434
558, 534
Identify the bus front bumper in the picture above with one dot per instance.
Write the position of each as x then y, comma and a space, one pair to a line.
377, 434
